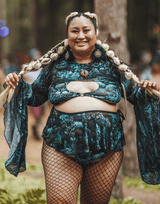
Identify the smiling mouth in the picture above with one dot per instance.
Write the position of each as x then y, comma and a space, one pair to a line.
81, 42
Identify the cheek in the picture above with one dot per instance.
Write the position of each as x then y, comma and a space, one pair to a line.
93, 39
92, 36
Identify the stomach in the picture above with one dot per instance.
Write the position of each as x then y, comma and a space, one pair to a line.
85, 103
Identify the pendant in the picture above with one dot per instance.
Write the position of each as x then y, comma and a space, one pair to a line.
84, 73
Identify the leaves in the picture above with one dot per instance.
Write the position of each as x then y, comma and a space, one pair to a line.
137, 182
22, 189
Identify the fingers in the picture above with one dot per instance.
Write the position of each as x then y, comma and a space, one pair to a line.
148, 84
12, 80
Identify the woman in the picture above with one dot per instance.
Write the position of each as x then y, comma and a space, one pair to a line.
83, 137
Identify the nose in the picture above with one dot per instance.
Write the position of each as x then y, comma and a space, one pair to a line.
81, 35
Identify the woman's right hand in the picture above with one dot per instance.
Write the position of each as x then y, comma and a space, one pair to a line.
12, 80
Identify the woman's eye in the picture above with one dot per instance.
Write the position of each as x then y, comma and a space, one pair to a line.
86, 30
74, 31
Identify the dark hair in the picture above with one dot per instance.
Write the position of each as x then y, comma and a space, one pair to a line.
93, 20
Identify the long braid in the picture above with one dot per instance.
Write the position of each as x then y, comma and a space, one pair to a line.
34, 65
60, 48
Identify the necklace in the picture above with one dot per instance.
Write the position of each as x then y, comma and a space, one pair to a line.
84, 73
86, 69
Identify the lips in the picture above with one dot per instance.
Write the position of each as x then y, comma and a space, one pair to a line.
81, 43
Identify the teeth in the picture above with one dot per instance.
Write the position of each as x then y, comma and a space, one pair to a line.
81, 42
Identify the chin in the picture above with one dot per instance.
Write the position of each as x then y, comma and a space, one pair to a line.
84, 49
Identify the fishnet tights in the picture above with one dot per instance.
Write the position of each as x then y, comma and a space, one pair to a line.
63, 176
98, 180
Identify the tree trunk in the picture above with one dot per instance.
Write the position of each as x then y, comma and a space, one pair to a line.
112, 27
34, 22
2, 17
158, 47
12, 29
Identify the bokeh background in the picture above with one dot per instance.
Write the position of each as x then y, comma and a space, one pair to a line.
132, 30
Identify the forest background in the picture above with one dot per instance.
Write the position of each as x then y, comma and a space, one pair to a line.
41, 24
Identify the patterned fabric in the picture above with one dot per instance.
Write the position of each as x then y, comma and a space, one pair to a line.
51, 84
53, 81
85, 136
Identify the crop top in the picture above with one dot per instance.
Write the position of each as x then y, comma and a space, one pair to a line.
104, 74
52, 82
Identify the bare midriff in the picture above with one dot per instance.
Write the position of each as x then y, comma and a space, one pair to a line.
85, 103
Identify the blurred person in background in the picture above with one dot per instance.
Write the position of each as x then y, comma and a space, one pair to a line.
9, 65
153, 71
145, 61
30, 77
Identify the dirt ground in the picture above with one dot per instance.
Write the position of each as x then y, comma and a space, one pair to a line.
33, 156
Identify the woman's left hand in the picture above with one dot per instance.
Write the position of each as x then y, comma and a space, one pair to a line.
148, 84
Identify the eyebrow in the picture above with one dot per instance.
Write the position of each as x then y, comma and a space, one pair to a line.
77, 27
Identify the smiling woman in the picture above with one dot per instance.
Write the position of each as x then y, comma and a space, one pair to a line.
82, 38
83, 137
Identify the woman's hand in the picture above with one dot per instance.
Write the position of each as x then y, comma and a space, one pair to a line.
148, 84
12, 80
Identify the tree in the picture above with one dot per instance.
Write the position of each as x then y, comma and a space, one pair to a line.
112, 25
2, 16
143, 26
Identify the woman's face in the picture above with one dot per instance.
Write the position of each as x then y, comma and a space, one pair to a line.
81, 35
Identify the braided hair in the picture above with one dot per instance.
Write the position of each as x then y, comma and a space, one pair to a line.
57, 51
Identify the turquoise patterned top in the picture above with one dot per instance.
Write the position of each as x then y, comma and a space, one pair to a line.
51, 85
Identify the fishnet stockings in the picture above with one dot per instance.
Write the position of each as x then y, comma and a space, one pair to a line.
98, 180
63, 176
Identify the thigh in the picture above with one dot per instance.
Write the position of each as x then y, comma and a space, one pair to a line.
99, 178
62, 176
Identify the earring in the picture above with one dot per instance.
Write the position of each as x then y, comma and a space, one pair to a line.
67, 55
98, 53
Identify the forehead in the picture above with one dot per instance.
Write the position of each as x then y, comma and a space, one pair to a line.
81, 22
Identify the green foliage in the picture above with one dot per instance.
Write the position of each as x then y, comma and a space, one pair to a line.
137, 182
34, 168
21, 189
32, 196
113, 201
129, 200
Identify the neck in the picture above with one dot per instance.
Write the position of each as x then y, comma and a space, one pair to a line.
82, 57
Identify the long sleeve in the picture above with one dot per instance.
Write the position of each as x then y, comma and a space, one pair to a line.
147, 113
16, 118
37, 93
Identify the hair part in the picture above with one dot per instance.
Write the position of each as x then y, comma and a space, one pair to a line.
93, 20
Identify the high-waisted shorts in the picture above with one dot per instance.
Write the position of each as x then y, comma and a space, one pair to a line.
85, 136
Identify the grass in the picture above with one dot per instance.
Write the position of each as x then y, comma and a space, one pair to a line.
129, 200
138, 183
21, 189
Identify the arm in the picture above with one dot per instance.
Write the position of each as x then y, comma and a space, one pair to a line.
147, 112
36, 93
138, 91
